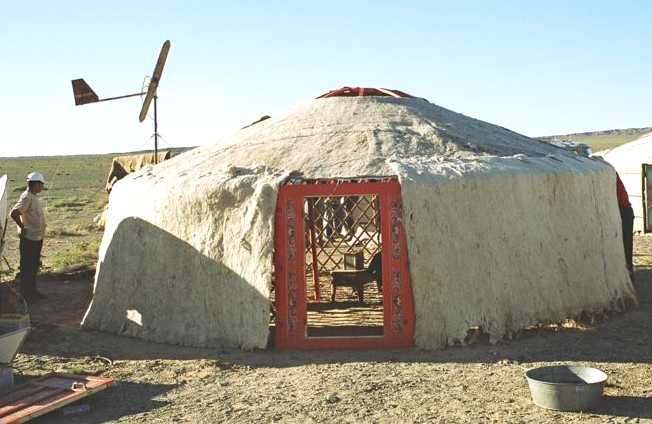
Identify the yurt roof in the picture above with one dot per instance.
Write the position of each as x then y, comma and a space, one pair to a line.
634, 153
344, 134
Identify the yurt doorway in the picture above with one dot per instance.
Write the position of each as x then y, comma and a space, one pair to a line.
647, 197
341, 270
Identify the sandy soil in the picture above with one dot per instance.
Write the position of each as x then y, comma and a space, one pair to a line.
482, 383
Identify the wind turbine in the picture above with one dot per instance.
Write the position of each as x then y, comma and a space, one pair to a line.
84, 94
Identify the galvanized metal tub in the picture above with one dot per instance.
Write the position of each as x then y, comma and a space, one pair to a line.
566, 388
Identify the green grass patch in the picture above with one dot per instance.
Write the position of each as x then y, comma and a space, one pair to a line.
74, 195
76, 257
77, 370
604, 142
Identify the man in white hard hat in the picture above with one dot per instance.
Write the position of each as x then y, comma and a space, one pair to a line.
30, 219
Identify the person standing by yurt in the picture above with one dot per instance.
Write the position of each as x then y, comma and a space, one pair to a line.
30, 218
627, 220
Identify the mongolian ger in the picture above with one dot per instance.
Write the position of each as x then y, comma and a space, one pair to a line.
478, 228
633, 162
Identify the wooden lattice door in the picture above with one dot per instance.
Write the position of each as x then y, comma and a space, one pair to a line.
374, 209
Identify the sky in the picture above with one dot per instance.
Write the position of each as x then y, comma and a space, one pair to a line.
538, 68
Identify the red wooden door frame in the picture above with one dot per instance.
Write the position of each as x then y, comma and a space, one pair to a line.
289, 265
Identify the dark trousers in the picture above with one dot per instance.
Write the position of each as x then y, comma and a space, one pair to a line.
627, 220
30, 260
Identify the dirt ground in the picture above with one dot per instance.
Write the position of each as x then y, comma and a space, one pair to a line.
482, 383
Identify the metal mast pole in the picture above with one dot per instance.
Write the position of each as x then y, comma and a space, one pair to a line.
155, 133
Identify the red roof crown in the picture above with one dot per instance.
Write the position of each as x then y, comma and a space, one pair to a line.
363, 91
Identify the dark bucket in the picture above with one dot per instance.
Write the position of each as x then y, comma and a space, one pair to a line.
566, 388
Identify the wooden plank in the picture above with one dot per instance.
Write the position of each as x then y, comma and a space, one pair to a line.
52, 403
27, 401
40, 396
17, 393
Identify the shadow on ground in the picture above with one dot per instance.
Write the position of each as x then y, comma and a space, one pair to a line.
113, 403
621, 338
625, 406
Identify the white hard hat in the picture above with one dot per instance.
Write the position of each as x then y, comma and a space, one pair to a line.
36, 176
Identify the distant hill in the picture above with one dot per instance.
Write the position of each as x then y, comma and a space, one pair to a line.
602, 140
